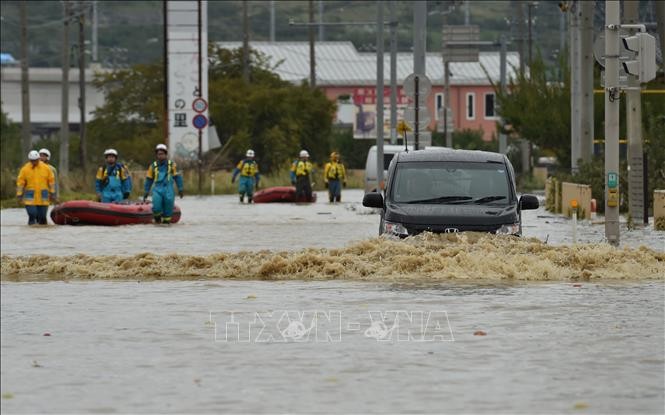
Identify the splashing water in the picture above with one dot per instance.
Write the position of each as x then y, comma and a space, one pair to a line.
424, 258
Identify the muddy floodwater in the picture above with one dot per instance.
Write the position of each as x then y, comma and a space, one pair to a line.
284, 308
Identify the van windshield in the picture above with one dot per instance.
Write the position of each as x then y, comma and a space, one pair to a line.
451, 183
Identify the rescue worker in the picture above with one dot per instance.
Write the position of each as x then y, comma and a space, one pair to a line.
301, 170
248, 169
162, 173
334, 176
45, 157
113, 182
35, 187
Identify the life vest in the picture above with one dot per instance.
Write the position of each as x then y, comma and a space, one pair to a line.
170, 171
301, 168
248, 168
117, 172
334, 171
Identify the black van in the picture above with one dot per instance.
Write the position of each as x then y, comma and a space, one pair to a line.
447, 191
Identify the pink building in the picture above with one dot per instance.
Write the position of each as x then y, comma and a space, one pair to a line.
349, 77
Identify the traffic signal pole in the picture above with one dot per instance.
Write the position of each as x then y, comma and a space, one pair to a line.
612, 96
634, 131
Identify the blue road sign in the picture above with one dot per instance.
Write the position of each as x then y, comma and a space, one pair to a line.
200, 121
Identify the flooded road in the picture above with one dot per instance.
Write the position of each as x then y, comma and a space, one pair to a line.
220, 224
150, 347
426, 325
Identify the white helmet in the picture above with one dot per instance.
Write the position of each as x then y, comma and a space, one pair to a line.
45, 151
110, 152
33, 155
161, 147
250, 153
304, 153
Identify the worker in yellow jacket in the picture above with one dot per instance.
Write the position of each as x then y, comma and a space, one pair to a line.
334, 176
35, 188
301, 169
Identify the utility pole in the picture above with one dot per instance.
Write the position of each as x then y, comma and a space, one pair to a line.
586, 60
419, 36
634, 131
612, 97
503, 140
165, 70
519, 10
393, 73
94, 31
447, 130
82, 144
245, 41
467, 13
321, 27
530, 6
379, 95
200, 88
272, 20
575, 93
26, 134
63, 166
660, 22
312, 56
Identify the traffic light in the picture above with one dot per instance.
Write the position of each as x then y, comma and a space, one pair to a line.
644, 66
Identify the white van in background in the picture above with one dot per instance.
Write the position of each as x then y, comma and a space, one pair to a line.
389, 152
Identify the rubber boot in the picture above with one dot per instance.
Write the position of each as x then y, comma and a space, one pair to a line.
242, 198
158, 218
249, 199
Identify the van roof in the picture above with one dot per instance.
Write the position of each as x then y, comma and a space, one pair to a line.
450, 155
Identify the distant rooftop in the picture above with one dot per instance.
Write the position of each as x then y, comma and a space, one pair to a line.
340, 63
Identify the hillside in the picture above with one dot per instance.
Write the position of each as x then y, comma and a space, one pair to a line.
131, 31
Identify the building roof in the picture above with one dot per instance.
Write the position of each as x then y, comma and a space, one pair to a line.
340, 63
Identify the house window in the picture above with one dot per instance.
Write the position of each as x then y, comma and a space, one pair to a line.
438, 102
471, 106
489, 105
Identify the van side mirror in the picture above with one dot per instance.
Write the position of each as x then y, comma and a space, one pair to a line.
373, 200
529, 202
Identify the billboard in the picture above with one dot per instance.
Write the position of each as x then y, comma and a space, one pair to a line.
360, 111
183, 76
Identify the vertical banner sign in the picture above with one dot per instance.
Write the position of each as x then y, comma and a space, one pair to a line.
183, 72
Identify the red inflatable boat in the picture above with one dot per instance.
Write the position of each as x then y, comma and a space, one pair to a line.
280, 194
85, 212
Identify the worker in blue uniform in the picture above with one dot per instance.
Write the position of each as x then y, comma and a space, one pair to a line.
248, 169
160, 177
113, 182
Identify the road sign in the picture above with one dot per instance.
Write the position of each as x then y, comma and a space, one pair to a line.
454, 37
200, 121
403, 128
424, 86
199, 105
423, 117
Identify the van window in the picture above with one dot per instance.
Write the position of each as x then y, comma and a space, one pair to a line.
462, 182
387, 158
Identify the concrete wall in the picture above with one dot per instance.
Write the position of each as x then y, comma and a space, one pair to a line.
579, 192
659, 209
45, 95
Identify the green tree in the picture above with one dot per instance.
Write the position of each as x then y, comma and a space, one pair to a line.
132, 117
538, 110
269, 115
